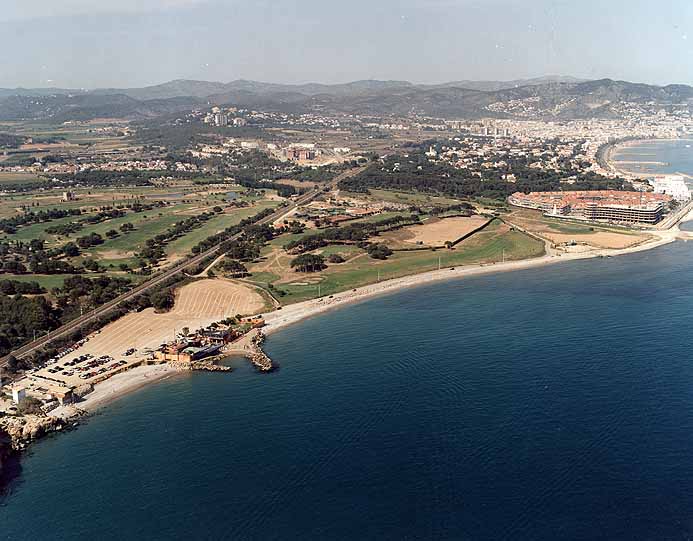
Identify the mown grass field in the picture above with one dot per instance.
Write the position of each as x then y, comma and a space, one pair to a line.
184, 244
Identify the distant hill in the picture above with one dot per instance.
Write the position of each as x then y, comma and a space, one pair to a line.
546, 97
494, 86
88, 106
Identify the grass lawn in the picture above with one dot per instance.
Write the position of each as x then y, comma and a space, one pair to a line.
14, 178
488, 246
49, 281
184, 244
378, 217
412, 198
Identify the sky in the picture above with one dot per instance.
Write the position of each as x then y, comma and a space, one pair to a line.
133, 43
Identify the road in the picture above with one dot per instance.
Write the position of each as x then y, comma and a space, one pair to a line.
165, 275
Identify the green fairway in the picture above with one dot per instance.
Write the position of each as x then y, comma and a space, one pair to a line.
184, 244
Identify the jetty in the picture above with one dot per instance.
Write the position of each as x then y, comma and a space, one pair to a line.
207, 366
250, 346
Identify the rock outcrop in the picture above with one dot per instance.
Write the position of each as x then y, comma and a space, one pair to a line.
23, 430
5, 447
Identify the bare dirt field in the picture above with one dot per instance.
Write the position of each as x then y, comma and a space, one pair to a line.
197, 305
600, 239
437, 231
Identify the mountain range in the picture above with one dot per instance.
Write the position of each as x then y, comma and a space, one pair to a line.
545, 97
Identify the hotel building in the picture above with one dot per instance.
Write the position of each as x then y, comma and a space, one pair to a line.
602, 206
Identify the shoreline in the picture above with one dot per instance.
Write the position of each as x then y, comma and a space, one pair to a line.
613, 164
114, 388
295, 313
132, 380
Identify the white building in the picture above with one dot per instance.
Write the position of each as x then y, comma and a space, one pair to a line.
18, 394
673, 185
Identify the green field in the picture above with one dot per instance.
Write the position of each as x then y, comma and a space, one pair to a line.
410, 198
184, 244
493, 244
49, 281
14, 178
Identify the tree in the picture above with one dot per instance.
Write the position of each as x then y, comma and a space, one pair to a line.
335, 258
30, 405
379, 251
162, 300
233, 268
111, 234
71, 249
12, 364
308, 263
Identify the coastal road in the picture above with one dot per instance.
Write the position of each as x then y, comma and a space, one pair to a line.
167, 274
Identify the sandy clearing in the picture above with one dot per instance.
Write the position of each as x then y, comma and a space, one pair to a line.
436, 232
600, 239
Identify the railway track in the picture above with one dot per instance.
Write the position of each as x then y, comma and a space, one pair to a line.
104, 309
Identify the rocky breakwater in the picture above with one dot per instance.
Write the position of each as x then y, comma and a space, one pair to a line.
207, 366
257, 356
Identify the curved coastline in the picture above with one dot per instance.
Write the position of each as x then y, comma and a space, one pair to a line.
612, 148
295, 313
119, 385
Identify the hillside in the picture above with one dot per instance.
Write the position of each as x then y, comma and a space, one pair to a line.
544, 98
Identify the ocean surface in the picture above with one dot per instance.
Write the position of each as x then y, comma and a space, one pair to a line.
552, 403
656, 157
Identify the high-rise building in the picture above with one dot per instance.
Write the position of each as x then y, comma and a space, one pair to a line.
673, 185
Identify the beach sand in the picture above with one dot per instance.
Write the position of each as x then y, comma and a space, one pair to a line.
116, 387
294, 313
136, 378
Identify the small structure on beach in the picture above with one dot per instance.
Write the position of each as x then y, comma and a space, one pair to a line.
182, 352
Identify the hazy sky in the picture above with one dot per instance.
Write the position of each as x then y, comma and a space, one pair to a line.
122, 43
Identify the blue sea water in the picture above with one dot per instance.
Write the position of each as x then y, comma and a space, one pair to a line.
552, 403
673, 156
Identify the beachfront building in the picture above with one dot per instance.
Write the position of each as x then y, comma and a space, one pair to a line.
183, 352
673, 185
644, 208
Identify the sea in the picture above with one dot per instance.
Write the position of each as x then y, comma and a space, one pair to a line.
549, 403
659, 157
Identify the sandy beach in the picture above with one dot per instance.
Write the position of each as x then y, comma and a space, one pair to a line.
116, 387
620, 168
294, 313
136, 378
